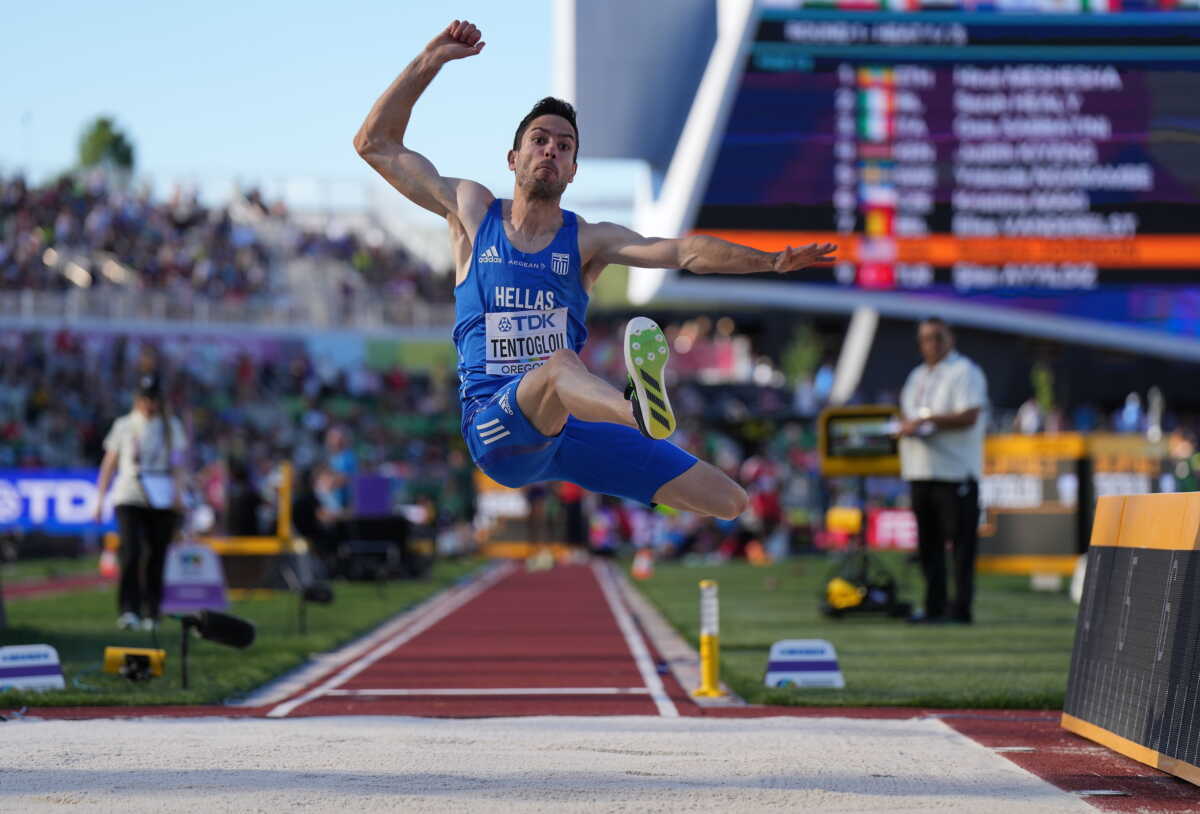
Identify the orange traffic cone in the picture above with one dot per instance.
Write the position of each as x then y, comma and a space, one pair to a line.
756, 554
108, 564
643, 564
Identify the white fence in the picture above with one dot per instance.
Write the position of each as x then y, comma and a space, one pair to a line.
354, 310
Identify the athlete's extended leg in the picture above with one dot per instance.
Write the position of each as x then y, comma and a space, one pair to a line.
703, 489
563, 386
615, 460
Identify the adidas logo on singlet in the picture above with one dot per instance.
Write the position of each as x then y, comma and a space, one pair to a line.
490, 256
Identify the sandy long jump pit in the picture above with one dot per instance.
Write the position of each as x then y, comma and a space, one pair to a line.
511, 764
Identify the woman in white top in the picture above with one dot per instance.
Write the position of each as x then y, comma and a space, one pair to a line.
145, 448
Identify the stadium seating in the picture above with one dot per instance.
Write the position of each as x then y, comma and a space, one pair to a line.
87, 246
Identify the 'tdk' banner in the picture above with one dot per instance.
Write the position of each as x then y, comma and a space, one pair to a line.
59, 501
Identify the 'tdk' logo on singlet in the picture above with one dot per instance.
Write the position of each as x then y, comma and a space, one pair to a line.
518, 341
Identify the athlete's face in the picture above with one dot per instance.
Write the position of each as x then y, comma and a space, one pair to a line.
545, 162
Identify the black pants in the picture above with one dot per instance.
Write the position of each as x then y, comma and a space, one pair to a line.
947, 511
576, 523
145, 534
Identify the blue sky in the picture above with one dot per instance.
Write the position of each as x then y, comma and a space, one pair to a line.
267, 90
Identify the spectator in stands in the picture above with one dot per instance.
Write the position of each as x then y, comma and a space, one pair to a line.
145, 449
458, 504
242, 502
1029, 419
1130, 418
312, 521
941, 456
342, 467
327, 487
537, 527
575, 526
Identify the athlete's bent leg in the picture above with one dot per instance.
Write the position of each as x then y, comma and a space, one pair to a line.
563, 386
704, 489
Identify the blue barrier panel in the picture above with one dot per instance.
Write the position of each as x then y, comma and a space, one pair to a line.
54, 501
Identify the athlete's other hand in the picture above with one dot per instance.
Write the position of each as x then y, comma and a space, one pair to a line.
460, 39
792, 259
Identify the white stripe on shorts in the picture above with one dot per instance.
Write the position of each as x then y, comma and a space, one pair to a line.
496, 437
487, 424
492, 431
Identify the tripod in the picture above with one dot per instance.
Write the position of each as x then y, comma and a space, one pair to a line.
860, 582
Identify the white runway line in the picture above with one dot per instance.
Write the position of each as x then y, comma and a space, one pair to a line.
565, 765
633, 638
437, 612
323, 664
511, 691
681, 658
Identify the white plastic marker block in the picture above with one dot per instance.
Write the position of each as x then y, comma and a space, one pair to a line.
193, 580
803, 663
30, 667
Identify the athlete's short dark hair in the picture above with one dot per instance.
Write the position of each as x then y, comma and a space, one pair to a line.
548, 107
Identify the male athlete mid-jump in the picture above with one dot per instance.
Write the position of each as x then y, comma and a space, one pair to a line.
531, 411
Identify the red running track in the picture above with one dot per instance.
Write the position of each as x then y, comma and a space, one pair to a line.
60, 585
556, 642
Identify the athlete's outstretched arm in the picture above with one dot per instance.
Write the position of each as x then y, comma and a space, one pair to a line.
700, 254
380, 140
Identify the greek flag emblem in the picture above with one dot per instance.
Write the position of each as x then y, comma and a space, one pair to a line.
560, 263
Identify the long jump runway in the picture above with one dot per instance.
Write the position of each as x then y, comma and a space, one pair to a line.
573, 710
556, 642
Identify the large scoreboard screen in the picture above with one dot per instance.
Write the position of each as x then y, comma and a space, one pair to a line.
1046, 162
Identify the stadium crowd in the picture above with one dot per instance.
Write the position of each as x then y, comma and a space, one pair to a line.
87, 229
248, 405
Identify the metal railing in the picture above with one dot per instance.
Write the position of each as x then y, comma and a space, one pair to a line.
356, 310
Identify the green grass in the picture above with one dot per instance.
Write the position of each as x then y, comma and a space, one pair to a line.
52, 568
1016, 655
612, 288
80, 625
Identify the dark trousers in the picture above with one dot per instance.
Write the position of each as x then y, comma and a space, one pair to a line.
145, 534
947, 511
576, 523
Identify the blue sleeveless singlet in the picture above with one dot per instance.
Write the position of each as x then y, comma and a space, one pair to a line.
512, 312
515, 309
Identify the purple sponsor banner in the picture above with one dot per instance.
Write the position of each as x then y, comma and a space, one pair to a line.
372, 496
31, 670
801, 666
193, 579
184, 598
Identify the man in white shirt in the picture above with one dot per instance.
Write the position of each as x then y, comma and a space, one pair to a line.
942, 405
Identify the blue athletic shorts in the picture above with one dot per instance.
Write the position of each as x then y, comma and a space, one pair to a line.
607, 458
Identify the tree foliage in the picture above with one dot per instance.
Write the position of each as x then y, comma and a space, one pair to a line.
103, 143
803, 354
